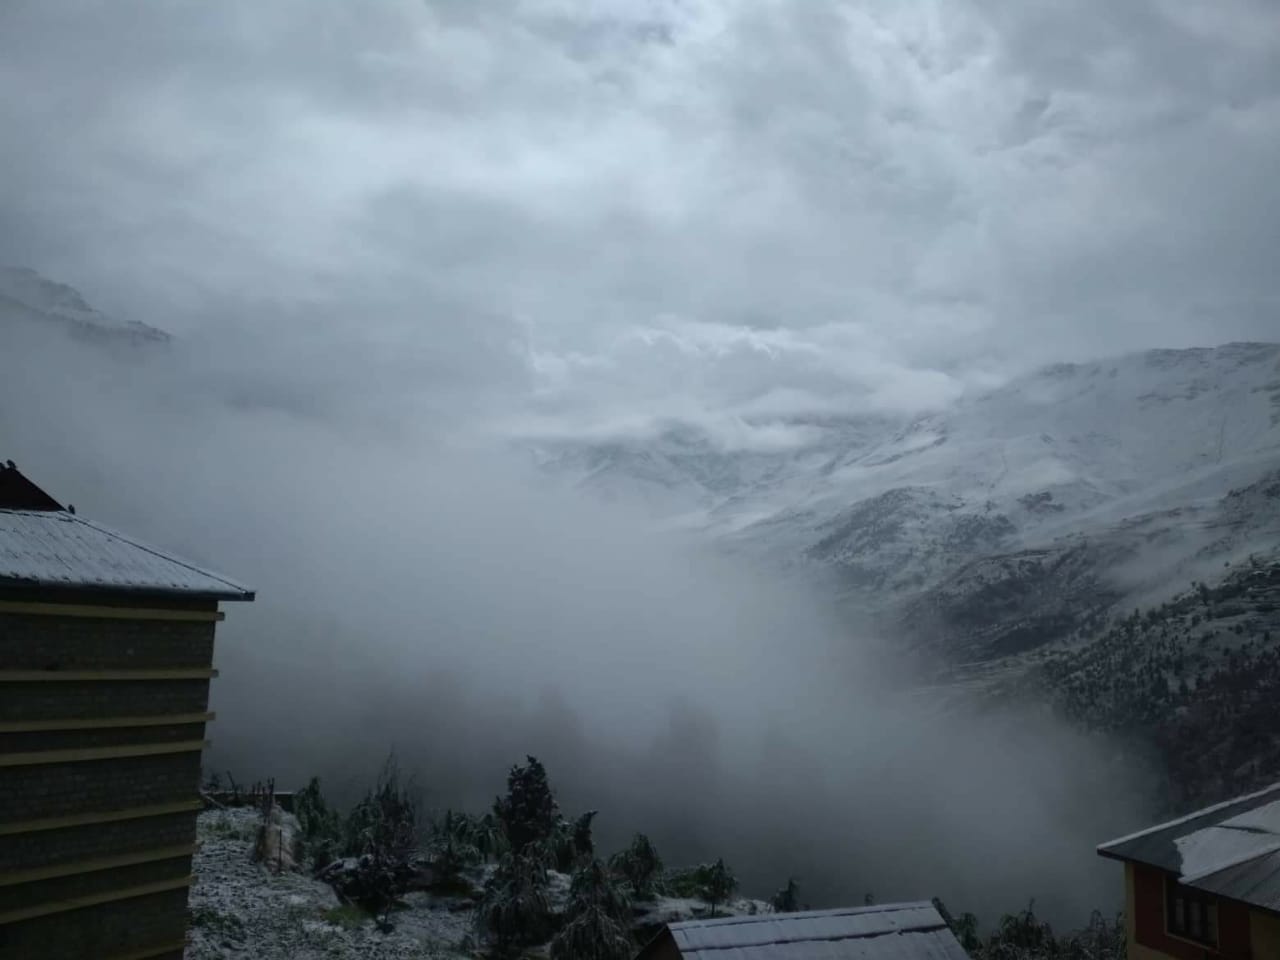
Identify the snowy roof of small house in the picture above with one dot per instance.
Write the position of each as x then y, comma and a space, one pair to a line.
893, 931
56, 548
1231, 849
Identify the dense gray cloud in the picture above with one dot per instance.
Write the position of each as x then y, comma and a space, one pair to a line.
444, 601
685, 206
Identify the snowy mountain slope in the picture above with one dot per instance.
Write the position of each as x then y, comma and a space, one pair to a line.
1003, 604
1001, 523
27, 297
1057, 488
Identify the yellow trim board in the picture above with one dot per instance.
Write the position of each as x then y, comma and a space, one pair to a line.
41, 676
13, 878
109, 613
106, 723
100, 753
93, 900
100, 816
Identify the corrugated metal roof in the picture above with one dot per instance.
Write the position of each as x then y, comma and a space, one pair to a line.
1256, 881
1157, 845
1231, 849
899, 931
59, 549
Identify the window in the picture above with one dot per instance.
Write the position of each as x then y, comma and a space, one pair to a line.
1190, 914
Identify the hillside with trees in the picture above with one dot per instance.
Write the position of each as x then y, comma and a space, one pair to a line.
519, 879
1193, 684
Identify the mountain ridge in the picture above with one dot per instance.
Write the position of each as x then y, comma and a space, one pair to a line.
26, 295
1051, 487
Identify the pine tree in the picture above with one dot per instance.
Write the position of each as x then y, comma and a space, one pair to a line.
787, 900
382, 831
639, 865
320, 824
718, 884
515, 911
528, 813
596, 919
584, 845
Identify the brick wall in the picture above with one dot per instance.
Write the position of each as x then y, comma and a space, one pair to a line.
42, 740
83, 643
83, 699
101, 932
60, 789
36, 792
25, 851
60, 889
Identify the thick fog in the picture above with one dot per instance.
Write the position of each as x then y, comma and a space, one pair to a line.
440, 599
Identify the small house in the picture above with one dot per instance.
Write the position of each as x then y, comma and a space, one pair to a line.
106, 653
1206, 885
891, 931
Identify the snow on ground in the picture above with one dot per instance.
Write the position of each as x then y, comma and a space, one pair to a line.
239, 909
679, 909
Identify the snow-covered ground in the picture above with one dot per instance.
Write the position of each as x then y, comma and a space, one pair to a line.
240, 909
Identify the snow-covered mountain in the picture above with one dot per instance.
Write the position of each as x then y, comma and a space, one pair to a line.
1001, 523
28, 297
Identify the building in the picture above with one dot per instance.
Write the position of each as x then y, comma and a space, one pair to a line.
892, 931
106, 653
1206, 885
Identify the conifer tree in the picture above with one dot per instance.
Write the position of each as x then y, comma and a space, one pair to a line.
528, 813
596, 919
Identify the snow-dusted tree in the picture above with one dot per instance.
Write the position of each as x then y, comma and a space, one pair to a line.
639, 865
382, 832
718, 884
488, 837
596, 918
452, 847
571, 844
787, 900
1021, 936
528, 813
584, 845
515, 911
320, 824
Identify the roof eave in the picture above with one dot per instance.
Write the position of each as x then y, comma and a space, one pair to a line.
244, 595
1112, 855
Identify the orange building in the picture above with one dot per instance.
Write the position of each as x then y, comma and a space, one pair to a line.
1205, 885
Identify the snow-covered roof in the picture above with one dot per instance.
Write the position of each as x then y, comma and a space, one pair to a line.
894, 931
1231, 849
55, 548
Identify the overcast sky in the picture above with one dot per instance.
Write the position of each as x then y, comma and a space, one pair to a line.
570, 214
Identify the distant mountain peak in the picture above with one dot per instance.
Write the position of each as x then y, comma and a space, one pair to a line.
26, 295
